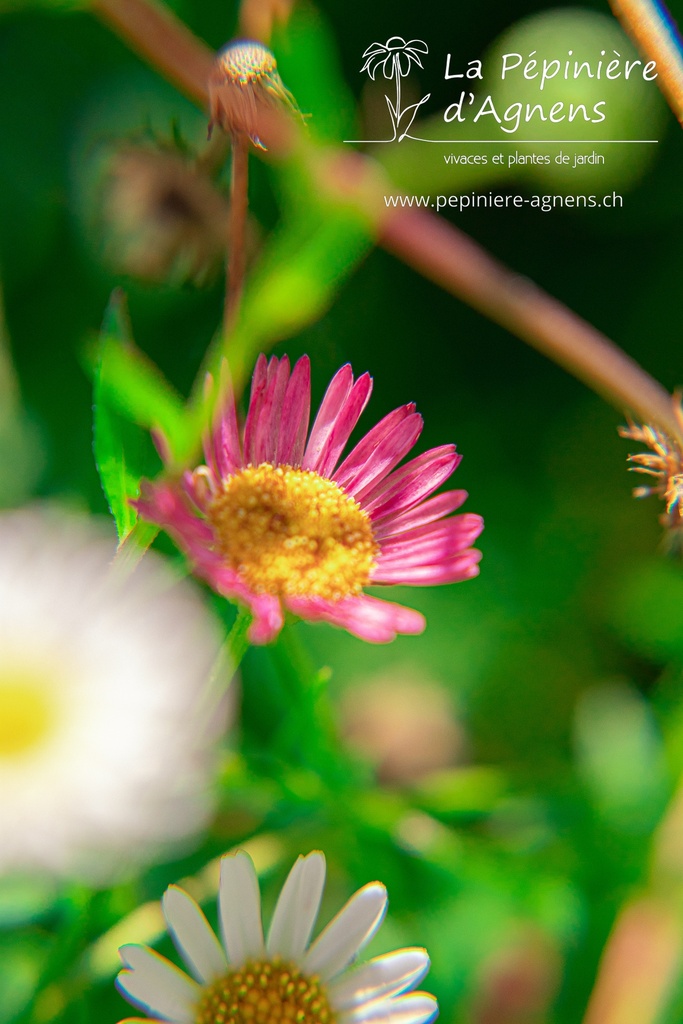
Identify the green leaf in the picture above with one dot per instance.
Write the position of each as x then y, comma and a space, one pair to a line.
122, 450
133, 387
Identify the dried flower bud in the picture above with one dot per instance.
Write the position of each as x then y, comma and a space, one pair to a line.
665, 466
244, 78
163, 218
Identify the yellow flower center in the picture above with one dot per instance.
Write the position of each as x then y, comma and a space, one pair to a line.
265, 993
28, 711
245, 63
293, 533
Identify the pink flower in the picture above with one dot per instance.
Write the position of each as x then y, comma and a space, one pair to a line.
276, 522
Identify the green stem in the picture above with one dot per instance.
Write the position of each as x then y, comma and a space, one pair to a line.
310, 728
225, 666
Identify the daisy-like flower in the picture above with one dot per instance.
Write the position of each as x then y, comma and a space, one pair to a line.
105, 755
665, 465
394, 57
245, 77
278, 522
282, 979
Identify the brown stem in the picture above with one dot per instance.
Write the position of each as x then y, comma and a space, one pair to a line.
456, 263
239, 201
156, 34
419, 238
646, 26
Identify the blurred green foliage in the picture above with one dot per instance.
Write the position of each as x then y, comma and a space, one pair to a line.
563, 660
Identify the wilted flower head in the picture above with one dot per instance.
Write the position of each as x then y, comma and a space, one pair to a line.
394, 57
283, 979
162, 216
665, 465
245, 77
105, 747
276, 521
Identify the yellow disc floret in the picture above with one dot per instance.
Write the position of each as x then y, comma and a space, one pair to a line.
265, 993
247, 62
291, 532
28, 712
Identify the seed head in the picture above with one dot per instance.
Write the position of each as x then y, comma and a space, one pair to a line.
664, 465
245, 77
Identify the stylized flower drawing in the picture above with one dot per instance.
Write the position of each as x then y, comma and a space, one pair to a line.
395, 58
277, 523
106, 753
283, 979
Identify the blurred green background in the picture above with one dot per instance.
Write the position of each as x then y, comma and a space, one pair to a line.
558, 671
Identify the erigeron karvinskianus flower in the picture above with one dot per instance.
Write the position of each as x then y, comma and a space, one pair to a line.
244, 79
105, 754
665, 466
278, 522
281, 979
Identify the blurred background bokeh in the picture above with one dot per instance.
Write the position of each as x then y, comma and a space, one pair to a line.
508, 768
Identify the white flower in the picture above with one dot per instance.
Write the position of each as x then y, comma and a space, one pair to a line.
105, 757
282, 979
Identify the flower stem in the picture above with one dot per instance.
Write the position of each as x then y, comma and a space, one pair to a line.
157, 35
227, 662
397, 69
458, 264
239, 202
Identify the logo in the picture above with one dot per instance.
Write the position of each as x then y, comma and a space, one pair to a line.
395, 59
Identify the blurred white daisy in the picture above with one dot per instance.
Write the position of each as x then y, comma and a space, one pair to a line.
105, 752
281, 979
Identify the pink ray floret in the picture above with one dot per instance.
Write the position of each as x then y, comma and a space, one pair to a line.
416, 541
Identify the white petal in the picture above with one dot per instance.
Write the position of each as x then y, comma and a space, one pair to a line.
347, 933
297, 907
416, 1008
193, 936
382, 977
157, 986
239, 905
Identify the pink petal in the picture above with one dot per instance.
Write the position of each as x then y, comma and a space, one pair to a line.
200, 487
164, 505
451, 570
387, 456
296, 409
226, 446
266, 433
434, 541
409, 485
355, 462
346, 421
268, 618
426, 512
330, 407
258, 386
160, 442
364, 616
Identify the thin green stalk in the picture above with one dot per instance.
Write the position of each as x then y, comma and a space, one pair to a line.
226, 665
